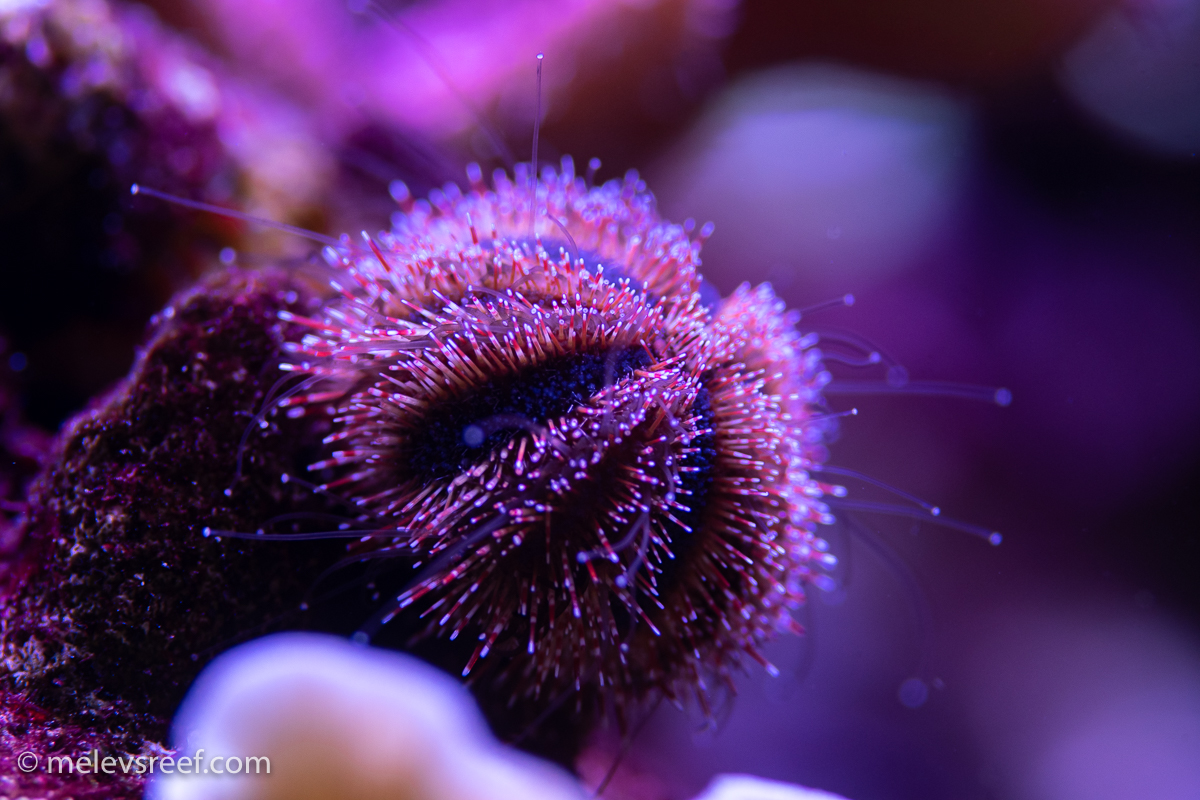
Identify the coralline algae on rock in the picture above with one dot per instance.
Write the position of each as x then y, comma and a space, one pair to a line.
113, 598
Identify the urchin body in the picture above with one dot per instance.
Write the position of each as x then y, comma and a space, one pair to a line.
602, 478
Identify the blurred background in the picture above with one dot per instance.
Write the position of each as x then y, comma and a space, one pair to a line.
1009, 188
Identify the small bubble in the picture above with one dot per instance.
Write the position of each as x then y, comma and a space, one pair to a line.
473, 436
913, 693
229, 492
995, 539
227, 255
360, 637
1003, 397
304, 606
17, 362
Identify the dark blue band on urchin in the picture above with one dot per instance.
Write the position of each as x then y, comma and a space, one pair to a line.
460, 431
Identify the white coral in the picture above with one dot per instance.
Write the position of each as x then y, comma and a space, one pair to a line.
747, 787
342, 721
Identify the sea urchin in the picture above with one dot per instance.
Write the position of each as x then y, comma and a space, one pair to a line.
601, 472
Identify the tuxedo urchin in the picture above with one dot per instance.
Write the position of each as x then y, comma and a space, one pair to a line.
589, 467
